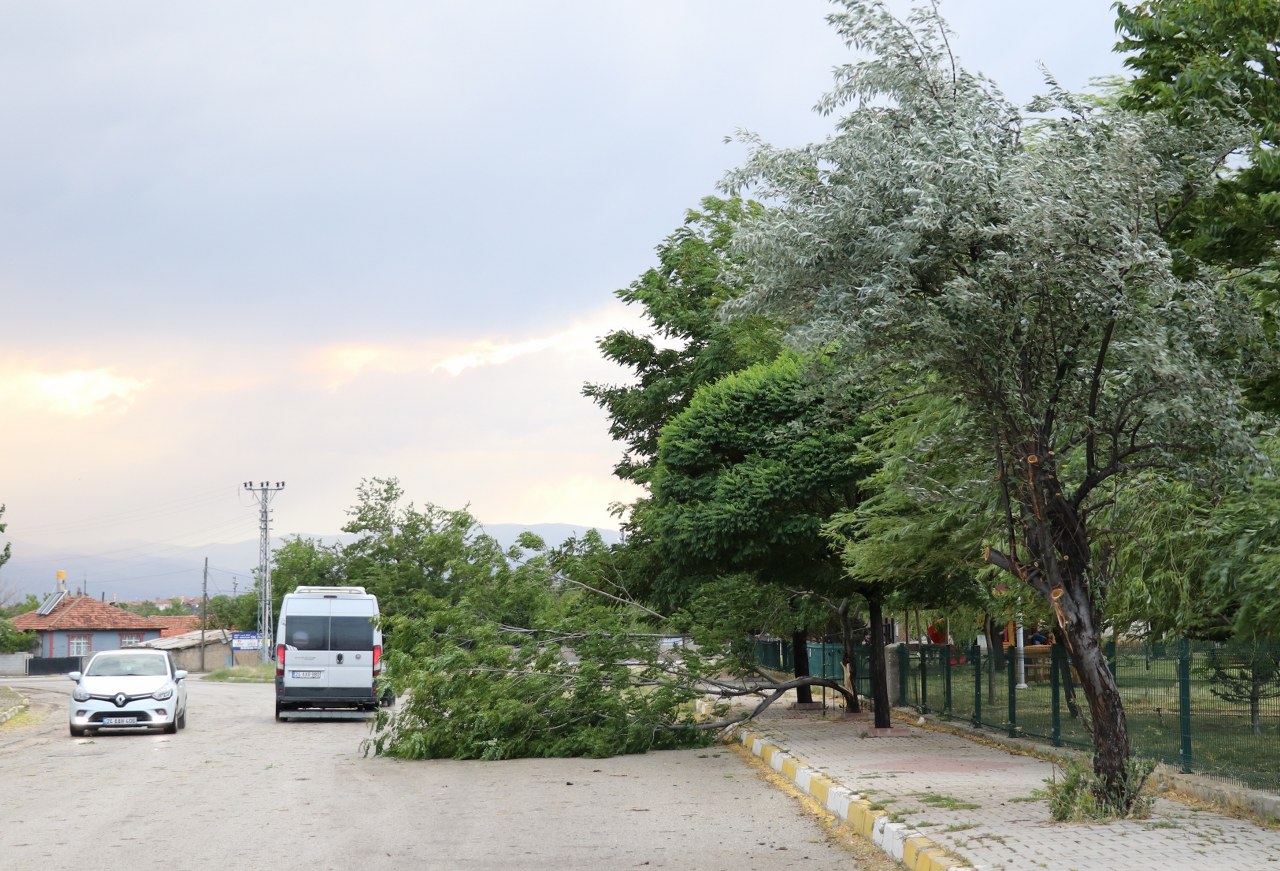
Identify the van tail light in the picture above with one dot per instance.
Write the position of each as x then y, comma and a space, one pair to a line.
279, 660
377, 660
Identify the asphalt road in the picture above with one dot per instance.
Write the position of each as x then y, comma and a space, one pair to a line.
238, 791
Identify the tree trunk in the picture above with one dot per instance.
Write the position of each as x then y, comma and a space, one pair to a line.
1057, 568
995, 655
849, 657
879, 679
1109, 726
800, 655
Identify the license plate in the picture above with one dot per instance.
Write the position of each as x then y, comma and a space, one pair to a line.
306, 675
119, 721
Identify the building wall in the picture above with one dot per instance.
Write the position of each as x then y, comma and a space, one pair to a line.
58, 643
216, 655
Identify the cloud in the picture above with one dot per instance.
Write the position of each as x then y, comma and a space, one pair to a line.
73, 393
343, 363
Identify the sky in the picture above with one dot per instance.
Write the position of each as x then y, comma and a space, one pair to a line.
321, 242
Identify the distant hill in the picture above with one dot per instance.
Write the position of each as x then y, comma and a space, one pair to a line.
132, 571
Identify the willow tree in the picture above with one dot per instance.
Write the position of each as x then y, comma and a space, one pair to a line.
1012, 259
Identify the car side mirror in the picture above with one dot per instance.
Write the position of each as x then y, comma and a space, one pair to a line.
75, 676
179, 674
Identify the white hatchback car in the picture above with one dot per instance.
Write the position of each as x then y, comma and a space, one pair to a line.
134, 688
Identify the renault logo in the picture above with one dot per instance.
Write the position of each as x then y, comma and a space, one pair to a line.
120, 699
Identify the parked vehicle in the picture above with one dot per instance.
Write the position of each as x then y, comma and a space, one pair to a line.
128, 689
329, 650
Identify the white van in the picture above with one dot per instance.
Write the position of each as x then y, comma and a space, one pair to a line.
328, 650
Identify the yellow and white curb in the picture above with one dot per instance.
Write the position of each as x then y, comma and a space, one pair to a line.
900, 841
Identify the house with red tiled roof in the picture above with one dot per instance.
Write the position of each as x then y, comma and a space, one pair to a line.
68, 625
175, 625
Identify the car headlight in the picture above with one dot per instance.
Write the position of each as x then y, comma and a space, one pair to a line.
80, 694
163, 693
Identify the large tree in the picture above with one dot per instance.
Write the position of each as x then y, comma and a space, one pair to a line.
746, 479
1016, 262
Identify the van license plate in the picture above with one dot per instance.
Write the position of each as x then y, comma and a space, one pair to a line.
119, 721
306, 675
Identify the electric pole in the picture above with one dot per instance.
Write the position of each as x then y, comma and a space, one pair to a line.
264, 492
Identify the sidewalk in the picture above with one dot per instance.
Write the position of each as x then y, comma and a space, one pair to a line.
938, 800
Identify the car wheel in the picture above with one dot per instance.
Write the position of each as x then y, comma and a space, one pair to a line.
171, 728
77, 732
182, 719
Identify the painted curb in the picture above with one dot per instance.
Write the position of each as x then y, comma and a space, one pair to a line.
6, 716
899, 841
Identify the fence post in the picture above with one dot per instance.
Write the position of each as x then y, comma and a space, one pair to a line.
1184, 702
904, 662
946, 681
1013, 697
924, 678
1056, 661
1111, 657
976, 658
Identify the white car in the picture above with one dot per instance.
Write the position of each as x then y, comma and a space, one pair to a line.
134, 688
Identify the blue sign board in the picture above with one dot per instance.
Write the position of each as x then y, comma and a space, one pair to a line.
246, 641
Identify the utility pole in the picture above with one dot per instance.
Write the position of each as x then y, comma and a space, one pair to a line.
264, 492
204, 611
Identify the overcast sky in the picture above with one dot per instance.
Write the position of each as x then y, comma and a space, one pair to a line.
316, 242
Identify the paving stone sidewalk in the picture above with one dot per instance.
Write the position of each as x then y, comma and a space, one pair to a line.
977, 803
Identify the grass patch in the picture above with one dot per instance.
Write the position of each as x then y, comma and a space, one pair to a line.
1036, 795
945, 801
959, 827
8, 698
261, 673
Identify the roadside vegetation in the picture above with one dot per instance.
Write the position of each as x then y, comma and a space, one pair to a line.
260, 673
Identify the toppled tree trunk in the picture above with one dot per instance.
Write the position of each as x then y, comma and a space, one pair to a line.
771, 692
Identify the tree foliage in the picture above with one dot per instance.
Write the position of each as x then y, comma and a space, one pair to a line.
1015, 262
1226, 53
691, 344
233, 612
499, 653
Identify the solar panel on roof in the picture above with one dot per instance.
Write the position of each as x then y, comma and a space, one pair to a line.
50, 603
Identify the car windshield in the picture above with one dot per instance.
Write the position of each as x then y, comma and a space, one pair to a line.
118, 666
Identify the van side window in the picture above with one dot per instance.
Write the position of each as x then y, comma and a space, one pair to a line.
308, 633
351, 633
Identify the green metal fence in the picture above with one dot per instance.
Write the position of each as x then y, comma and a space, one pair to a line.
1202, 707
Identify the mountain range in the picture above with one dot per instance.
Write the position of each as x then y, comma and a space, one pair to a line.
134, 571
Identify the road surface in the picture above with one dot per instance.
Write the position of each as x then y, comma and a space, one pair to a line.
238, 791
